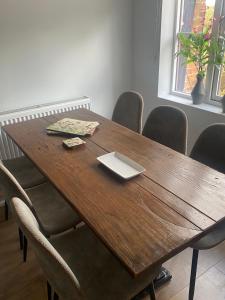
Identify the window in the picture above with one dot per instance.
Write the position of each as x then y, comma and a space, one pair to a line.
194, 15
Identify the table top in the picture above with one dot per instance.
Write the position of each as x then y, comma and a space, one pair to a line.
143, 221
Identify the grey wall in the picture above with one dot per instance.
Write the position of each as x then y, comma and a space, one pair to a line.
61, 49
147, 16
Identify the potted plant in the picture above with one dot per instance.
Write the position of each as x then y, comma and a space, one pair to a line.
202, 49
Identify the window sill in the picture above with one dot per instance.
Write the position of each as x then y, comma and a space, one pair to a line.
184, 101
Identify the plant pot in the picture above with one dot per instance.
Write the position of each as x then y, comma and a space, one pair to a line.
223, 103
198, 92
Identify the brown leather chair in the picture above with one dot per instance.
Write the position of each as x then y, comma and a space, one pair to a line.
209, 149
167, 125
128, 111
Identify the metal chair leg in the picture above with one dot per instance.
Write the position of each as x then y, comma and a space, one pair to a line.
151, 290
24, 248
21, 238
55, 297
137, 297
193, 274
6, 211
49, 291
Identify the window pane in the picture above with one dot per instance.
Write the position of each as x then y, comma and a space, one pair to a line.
221, 86
195, 15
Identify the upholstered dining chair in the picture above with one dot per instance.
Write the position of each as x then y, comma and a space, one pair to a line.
128, 111
25, 172
53, 213
209, 149
167, 125
77, 265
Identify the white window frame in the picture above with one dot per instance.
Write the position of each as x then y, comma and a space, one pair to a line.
212, 76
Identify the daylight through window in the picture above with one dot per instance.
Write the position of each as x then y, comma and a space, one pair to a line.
194, 16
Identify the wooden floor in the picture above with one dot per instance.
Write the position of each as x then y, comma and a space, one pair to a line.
22, 281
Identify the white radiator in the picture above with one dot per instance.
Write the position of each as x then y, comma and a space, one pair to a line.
8, 149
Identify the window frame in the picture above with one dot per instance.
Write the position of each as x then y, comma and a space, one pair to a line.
213, 74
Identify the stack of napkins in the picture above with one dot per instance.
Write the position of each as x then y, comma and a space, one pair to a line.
73, 126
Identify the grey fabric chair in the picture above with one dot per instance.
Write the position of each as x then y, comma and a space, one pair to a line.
128, 111
25, 172
167, 125
209, 149
53, 213
77, 265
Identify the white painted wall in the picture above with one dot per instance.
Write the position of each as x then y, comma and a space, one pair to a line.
61, 49
53, 50
147, 18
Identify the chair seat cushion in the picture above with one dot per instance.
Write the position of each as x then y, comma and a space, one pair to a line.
212, 239
53, 212
100, 274
24, 171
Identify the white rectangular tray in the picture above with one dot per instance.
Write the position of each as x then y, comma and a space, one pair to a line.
121, 165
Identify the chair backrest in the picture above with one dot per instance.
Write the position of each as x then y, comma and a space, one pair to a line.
167, 125
10, 187
128, 111
209, 148
56, 270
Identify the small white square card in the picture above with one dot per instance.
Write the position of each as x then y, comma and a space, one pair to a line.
74, 142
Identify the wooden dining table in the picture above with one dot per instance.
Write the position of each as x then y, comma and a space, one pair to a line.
143, 221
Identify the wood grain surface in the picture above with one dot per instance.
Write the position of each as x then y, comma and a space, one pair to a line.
143, 221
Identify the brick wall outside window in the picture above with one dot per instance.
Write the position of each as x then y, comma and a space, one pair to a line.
198, 24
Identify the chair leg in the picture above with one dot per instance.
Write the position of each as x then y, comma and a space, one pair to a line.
193, 273
55, 297
24, 248
6, 211
162, 278
21, 238
137, 297
151, 290
49, 291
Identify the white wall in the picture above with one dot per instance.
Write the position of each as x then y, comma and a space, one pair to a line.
53, 50
62, 49
147, 19
146, 50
